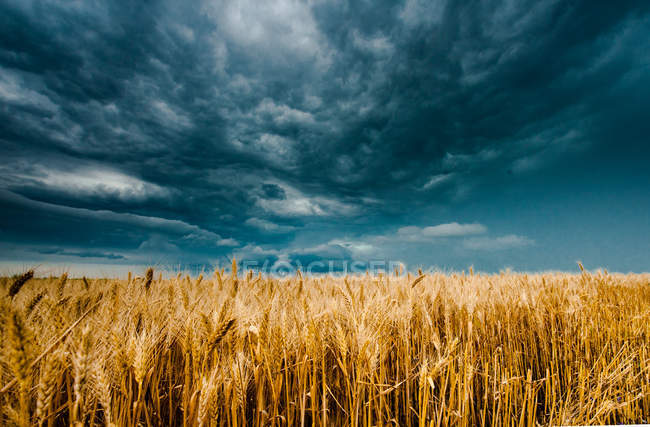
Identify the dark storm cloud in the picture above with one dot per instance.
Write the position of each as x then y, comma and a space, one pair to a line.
273, 191
244, 123
80, 254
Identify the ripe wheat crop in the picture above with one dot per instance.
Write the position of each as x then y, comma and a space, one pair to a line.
362, 350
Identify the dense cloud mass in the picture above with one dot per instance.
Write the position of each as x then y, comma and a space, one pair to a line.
498, 134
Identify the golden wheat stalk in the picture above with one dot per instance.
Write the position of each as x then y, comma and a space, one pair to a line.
20, 281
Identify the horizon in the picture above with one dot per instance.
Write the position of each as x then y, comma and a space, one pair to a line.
437, 134
278, 271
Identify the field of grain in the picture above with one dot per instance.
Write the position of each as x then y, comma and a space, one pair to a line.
228, 349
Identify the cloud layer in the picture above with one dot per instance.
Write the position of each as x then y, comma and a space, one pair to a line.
164, 131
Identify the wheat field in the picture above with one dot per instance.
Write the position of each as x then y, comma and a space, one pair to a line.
361, 350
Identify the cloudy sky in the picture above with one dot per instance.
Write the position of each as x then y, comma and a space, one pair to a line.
488, 133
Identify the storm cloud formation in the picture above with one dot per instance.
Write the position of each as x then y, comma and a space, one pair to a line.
498, 133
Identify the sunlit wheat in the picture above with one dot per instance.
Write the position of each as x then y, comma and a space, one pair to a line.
244, 349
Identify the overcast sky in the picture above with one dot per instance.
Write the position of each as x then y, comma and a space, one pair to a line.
488, 133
